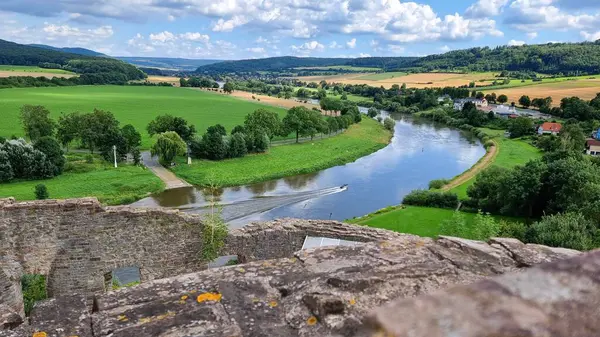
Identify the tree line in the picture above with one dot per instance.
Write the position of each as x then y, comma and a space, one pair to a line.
175, 134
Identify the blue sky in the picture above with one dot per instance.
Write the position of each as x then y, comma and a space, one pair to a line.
236, 29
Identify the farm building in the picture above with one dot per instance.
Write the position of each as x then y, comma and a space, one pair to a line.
592, 147
549, 128
460, 103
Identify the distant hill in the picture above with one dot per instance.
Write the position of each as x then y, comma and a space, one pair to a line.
78, 51
94, 70
167, 63
552, 58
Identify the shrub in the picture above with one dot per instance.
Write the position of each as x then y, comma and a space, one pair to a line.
455, 226
488, 144
137, 156
237, 146
89, 159
568, 230
50, 147
513, 229
25, 161
33, 287
485, 227
41, 192
6, 171
438, 183
389, 124
431, 199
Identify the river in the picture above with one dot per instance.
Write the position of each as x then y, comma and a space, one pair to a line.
419, 152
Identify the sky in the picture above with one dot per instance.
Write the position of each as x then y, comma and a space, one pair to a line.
237, 29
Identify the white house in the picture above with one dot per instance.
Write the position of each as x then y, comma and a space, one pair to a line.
460, 103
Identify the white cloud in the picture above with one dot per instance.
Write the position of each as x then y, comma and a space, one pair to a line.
163, 37
532, 35
257, 50
535, 15
516, 43
364, 55
445, 48
396, 49
229, 25
198, 37
485, 8
591, 36
335, 45
351, 44
308, 48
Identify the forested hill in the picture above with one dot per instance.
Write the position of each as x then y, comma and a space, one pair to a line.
78, 51
552, 58
97, 70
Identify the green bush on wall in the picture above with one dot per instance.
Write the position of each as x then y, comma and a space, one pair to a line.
33, 287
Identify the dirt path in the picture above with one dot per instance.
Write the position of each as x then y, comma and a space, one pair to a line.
169, 178
481, 165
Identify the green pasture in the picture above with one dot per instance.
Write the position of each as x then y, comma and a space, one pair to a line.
32, 69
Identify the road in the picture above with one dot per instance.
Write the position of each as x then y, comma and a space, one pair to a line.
171, 181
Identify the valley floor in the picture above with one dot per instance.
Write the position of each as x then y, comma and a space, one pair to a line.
359, 140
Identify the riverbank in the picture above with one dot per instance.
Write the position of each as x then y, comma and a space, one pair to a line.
508, 154
422, 221
359, 140
471, 173
99, 179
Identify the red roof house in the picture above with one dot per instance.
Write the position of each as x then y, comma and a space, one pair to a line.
549, 128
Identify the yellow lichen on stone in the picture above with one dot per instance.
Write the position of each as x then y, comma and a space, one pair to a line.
144, 320
184, 297
273, 304
255, 300
122, 318
241, 270
312, 320
420, 243
40, 334
213, 297
352, 301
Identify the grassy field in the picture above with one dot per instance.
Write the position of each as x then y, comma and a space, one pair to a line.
558, 88
359, 140
511, 152
416, 80
130, 105
32, 69
382, 76
111, 186
422, 221
351, 68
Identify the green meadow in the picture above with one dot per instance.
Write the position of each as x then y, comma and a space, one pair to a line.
422, 221
130, 105
511, 152
32, 69
280, 161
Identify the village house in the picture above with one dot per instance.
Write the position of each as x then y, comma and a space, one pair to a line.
592, 147
460, 103
549, 128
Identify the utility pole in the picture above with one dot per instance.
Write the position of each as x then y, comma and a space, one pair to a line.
189, 154
115, 154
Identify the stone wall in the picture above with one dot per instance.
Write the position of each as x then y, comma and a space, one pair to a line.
333, 291
76, 242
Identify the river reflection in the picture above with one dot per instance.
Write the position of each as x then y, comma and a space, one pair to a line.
419, 152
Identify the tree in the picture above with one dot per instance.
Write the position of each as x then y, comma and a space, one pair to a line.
217, 128
472, 116
228, 87
333, 124
50, 147
372, 112
69, 128
238, 128
525, 101
330, 104
25, 161
36, 122
297, 120
263, 121
479, 95
389, 123
99, 129
214, 146
521, 126
168, 145
166, 123
344, 97
572, 138
41, 192
237, 145
6, 171
568, 230
133, 139
502, 99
